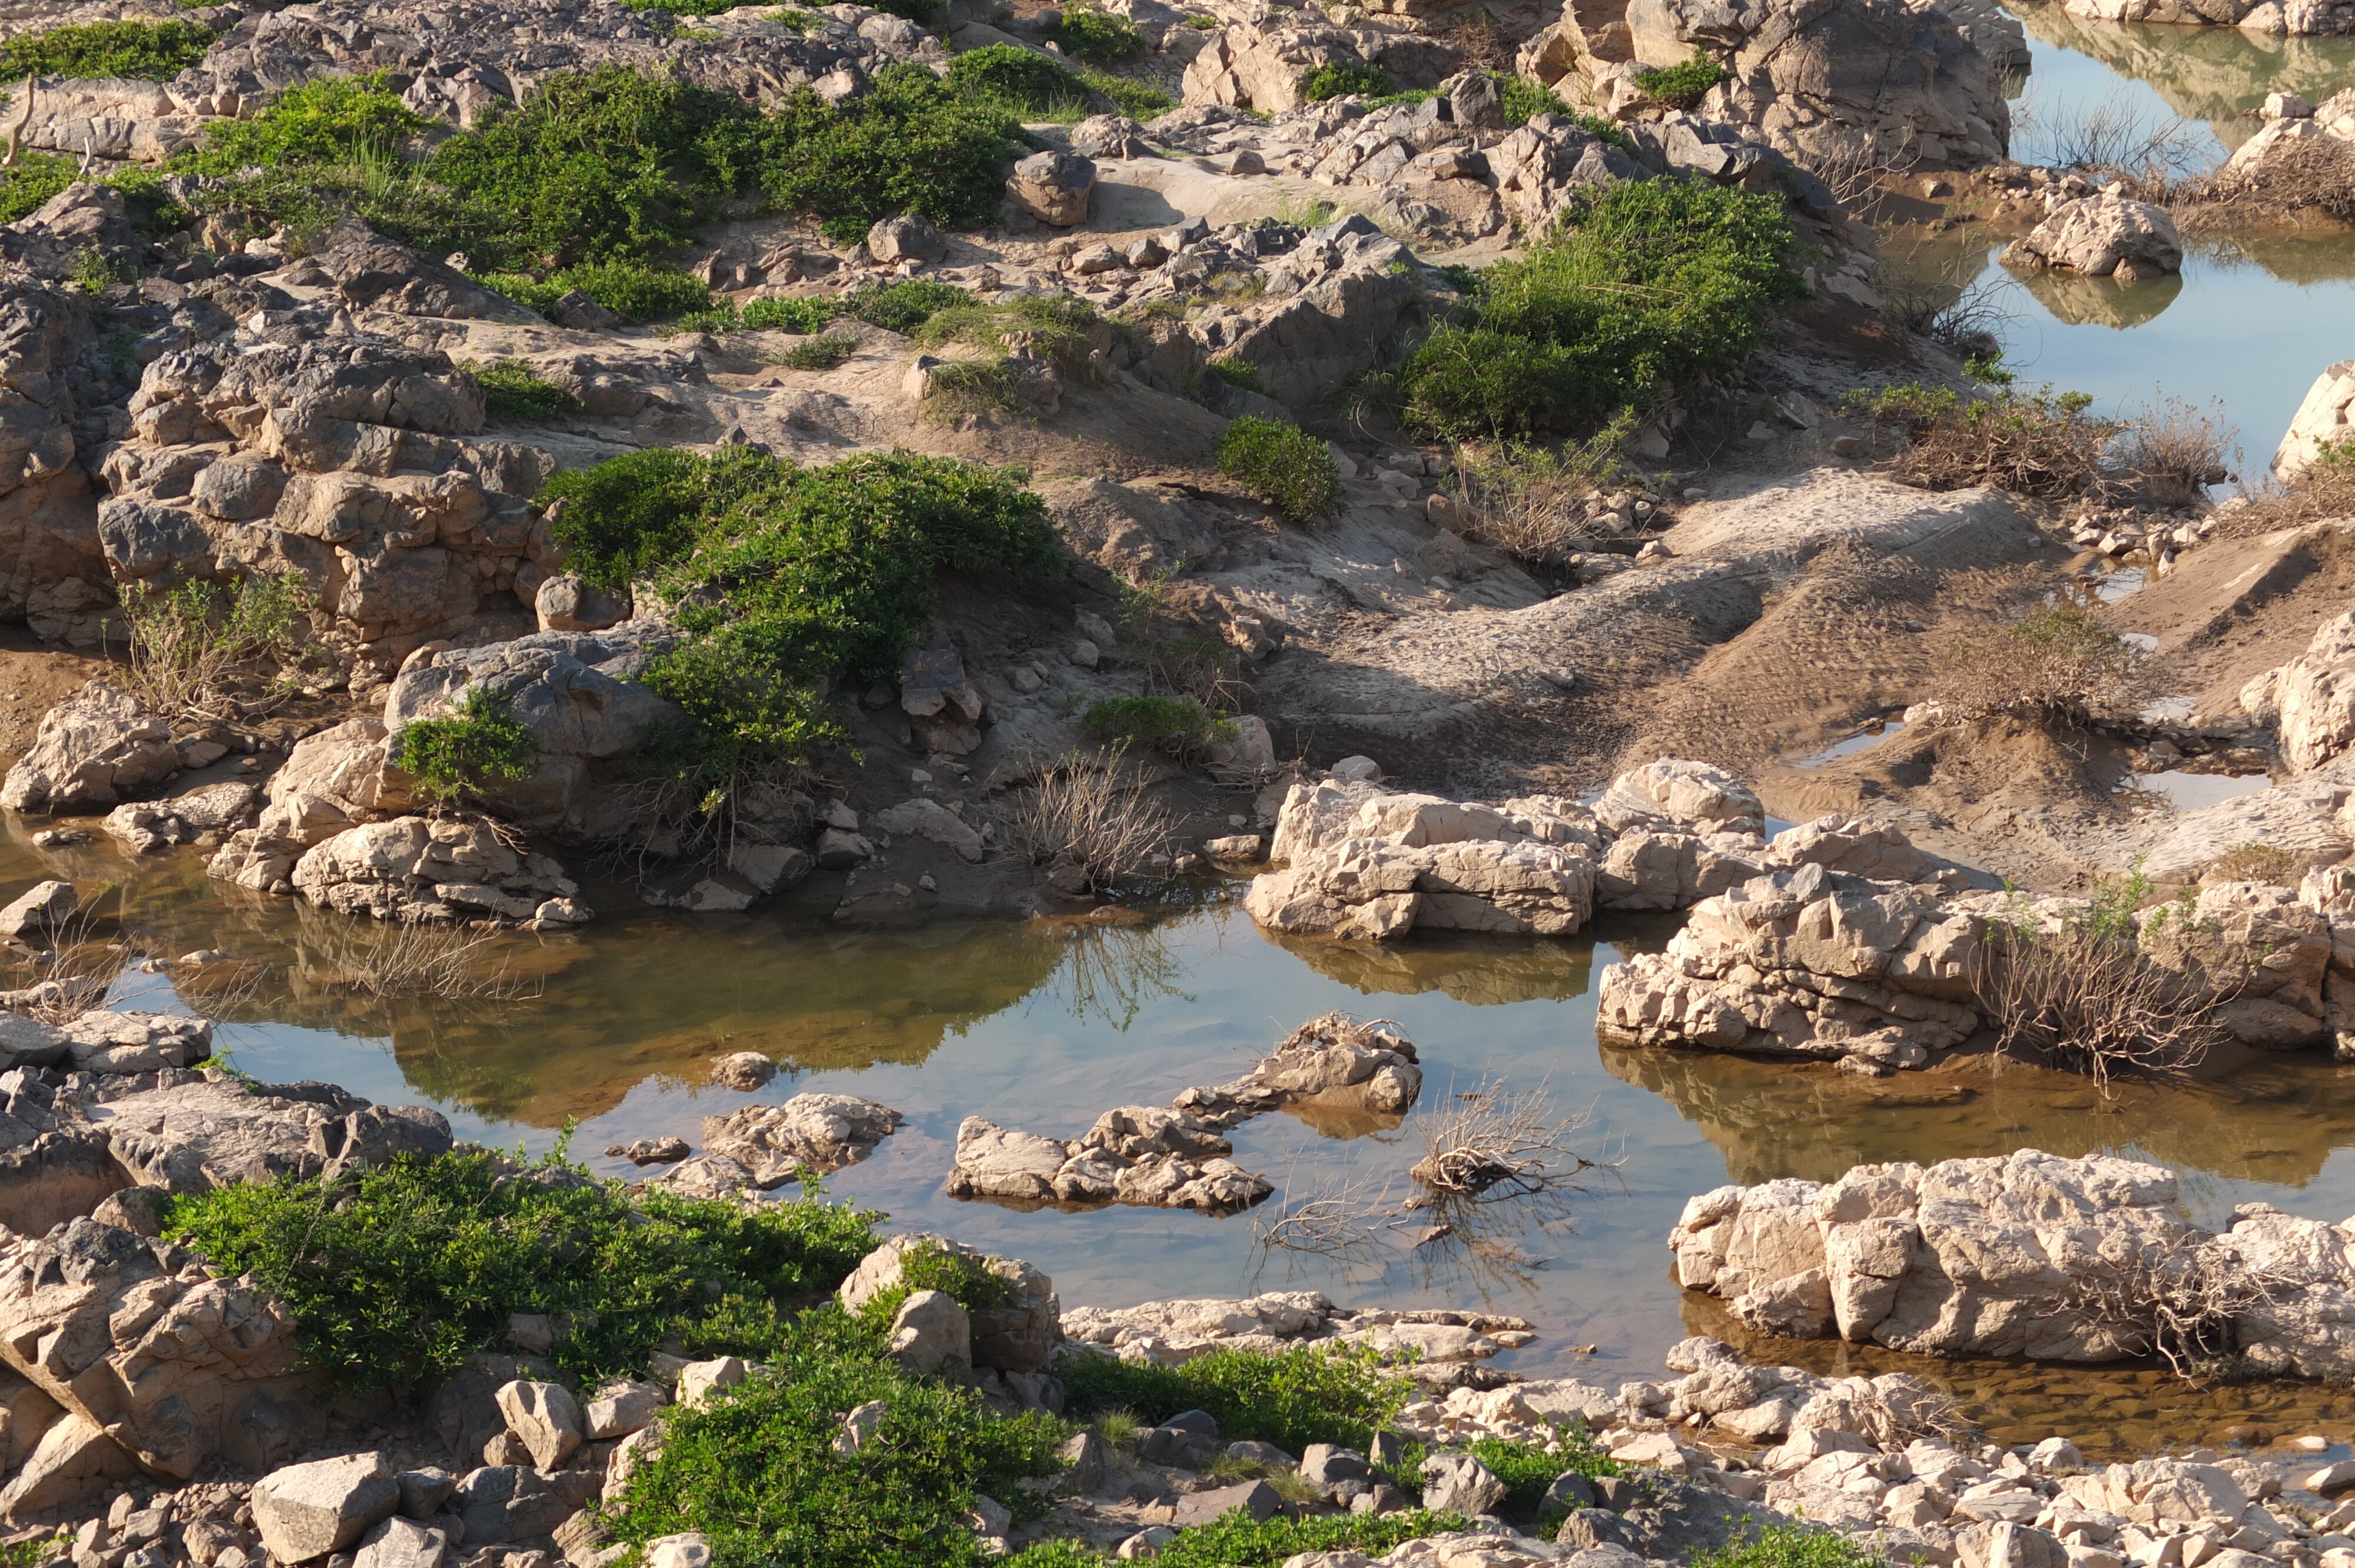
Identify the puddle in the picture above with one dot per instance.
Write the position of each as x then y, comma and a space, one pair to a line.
2188, 791
1861, 741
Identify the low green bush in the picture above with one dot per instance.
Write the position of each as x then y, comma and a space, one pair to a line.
789, 578
1645, 286
334, 120
1523, 98
785, 316
820, 353
913, 143
966, 387
1290, 1398
1345, 80
1528, 1470
458, 756
900, 307
1137, 100
637, 291
1098, 36
1179, 725
36, 177
513, 390
1681, 86
141, 51
1790, 1546
1021, 81
1283, 465
401, 1272
1238, 1541
758, 1472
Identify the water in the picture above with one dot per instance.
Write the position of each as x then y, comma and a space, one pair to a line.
2252, 320
2188, 791
1861, 741
1043, 1025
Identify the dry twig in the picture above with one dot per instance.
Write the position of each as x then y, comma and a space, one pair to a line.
1496, 1142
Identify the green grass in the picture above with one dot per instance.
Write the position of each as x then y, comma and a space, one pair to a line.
636, 290
1345, 80
1098, 36
1137, 100
458, 756
791, 579
1018, 80
513, 390
141, 51
912, 145
1790, 1546
1290, 1398
1681, 86
902, 307
399, 1272
1179, 725
1645, 287
820, 353
1283, 465
333, 121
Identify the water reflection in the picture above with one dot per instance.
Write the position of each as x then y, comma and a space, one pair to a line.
2079, 301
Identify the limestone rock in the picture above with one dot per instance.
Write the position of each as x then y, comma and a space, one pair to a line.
929, 1333
420, 868
104, 1042
306, 1512
620, 1408
1053, 187
2321, 420
1458, 1483
2314, 697
545, 1417
1016, 1338
819, 1132
44, 908
2103, 235
92, 749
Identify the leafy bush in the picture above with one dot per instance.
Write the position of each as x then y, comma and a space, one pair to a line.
331, 120
36, 177
401, 1272
1681, 86
1344, 78
190, 640
820, 353
2054, 664
635, 291
788, 577
1238, 1542
963, 387
142, 51
1523, 98
1290, 1398
912, 144
456, 757
2036, 443
1137, 100
1284, 466
1098, 36
1179, 725
1528, 1470
900, 307
784, 315
513, 390
1650, 284
1790, 1546
758, 1472
1020, 81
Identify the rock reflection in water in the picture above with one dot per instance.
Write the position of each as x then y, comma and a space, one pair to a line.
1481, 971
2100, 301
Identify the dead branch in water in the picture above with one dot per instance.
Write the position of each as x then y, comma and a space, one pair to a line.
1496, 1142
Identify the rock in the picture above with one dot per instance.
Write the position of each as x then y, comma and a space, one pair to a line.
620, 1408
1053, 187
1110, 136
371, 273
2321, 421
2313, 697
45, 906
306, 1512
81, 220
1325, 1464
104, 1042
1458, 1483
73, 1468
689, 1550
431, 869
576, 310
1016, 1338
930, 1331
699, 1380
1255, 1497
928, 818
1259, 67
2103, 235
813, 1132
906, 238
745, 1070
158, 825
545, 1417
51, 360
401, 1543
424, 1491
565, 603
90, 750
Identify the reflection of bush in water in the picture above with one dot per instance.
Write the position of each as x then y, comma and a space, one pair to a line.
2277, 1123
1481, 971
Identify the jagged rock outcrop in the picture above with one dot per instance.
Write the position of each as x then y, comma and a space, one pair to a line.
2028, 1255
92, 749
2103, 236
2311, 699
434, 869
1170, 1333
2321, 422
2295, 18
1258, 65
52, 572
765, 1146
213, 810
1019, 1337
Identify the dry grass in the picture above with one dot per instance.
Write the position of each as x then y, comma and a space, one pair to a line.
2179, 1303
2058, 664
2255, 863
1092, 815
2087, 998
2301, 183
2031, 443
1496, 1142
2175, 450
2321, 490
398, 963
1527, 500
2114, 137
203, 650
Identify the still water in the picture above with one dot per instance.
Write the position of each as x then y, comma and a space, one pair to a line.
1044, 1025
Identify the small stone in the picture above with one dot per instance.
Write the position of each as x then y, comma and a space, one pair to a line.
699, 1380
1084, 654
1357, 771
45, 907
308, 1511
545, 1417
745, 1070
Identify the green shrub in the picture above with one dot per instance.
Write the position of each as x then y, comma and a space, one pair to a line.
1098, 36
1528, 1470
142, 51
331, 120
912, 144
1345, 80
1648, 285
401, 1272
1055, 326
1523, 98
931, 1267
457, 757
595, 166
1290, 1398
1137, 100
1242, 373
1681, 86
1179, 725
1020, 80
36, 177
1283, 465
965, 386
636, 290
758, 1472
190, 639
902, 307
788, 577
1238, 1542
513, 390
820, 353
1790, 1546
785, 316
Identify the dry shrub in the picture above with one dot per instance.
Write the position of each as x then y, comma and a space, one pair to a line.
2323, 489
2255, 863
2311, 180
2114, 137
2176, 449
394, 962
1495, 1142
1527, 500
1092, 815
2032, 443
202, 650
2179, 1303
2055, 664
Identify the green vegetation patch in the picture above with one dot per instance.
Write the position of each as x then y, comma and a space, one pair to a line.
1098, 36
1291, 1398
788, 579
912, 144
141, 51
1645, 286
1791, 1546
902, 307
1283, 465
333, 121
512, 389
1137, 100
1240, 1542
466, 753
1018, 80
1682, 86
758, 1472
401, 1272
1179, 725
1344, 78
635, 291
820, 353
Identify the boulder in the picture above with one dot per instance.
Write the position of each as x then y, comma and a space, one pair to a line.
1053, 187
1016, 1338
909, 237
81, 221
545, 1417
2313, 694
432, 869
105, 1041
220, 1132
2103, 235
44, 908
1258, 65
306, 1512
817, 1132
620, 1408
565, 603
56, 574
2321, 420
931, 1332
92, 749
401, 1543
999, 1163
74, 1467
372, 273
1458, 1483
216, 808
